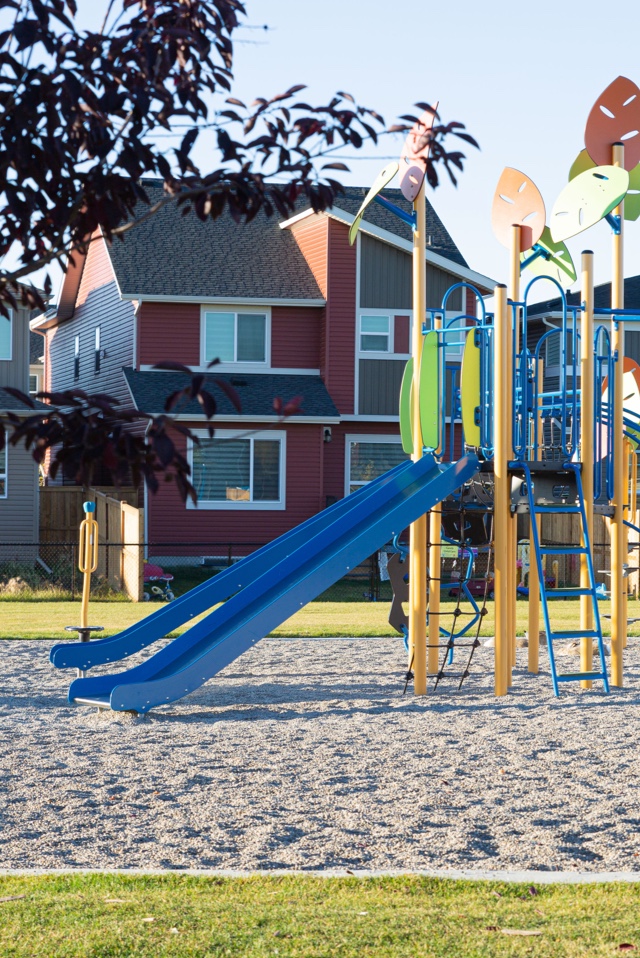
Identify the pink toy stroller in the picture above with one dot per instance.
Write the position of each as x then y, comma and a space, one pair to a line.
156, 583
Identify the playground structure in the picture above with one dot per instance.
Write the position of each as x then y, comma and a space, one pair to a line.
568, 450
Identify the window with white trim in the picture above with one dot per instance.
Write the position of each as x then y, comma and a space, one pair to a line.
3, 473
369, 457
96, 355
236, 337
387, 333
239, 471
76, 357
6, 336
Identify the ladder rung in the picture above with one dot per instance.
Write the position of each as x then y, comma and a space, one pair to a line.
563, 551
586, 634
560, 509
566, 593
579, 676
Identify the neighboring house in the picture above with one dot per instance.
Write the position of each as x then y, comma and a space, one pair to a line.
543, 316
19, 514
290, 309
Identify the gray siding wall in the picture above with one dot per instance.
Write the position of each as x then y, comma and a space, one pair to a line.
379, 386
19, 511
98, 304
386, 278
15, 372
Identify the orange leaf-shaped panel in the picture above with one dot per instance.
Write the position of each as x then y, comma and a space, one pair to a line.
415, 152
517, 202
615, 118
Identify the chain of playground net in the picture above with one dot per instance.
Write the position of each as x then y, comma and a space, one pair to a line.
456, 613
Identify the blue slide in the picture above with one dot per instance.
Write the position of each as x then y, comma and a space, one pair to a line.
332, 544
86, 655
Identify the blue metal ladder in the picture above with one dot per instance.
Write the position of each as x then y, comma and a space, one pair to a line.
541, 550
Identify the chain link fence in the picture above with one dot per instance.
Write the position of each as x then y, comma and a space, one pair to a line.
49, 570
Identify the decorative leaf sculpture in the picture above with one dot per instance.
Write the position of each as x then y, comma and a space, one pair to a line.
584, 162
556, 262
586, 199
383, 179
415, 152
517, 202
615, 118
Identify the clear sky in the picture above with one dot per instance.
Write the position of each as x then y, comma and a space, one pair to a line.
521, 76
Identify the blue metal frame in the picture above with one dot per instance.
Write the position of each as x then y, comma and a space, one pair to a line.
585, 550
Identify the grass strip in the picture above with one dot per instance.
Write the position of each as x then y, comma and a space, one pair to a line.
109, 916
36, 620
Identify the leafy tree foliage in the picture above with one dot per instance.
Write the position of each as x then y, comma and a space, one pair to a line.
80, 111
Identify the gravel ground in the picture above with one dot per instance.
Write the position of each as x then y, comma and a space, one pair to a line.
305, 754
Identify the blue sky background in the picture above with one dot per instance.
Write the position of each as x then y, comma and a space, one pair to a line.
522, 77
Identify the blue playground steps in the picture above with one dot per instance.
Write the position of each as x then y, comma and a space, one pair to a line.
575, 508
314, 556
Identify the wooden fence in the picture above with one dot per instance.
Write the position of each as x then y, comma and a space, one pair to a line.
120, 531
61, 509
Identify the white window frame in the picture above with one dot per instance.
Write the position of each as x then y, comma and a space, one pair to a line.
370, 437
237, 366
4, 472
8, 358
382, 354
76, 358
97, 350
228, 505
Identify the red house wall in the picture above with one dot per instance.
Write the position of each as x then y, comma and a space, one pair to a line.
169, 331
169, 520
172, 330
295, 337
338, 361
312, 236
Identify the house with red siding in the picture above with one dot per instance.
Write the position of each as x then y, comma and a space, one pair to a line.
289, 309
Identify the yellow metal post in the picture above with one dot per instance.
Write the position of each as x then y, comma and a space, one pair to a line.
435, 565
586, 454
502, 489
514, 296
618, 538
418, 531
87, 559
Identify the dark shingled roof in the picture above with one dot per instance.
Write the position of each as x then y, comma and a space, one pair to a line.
9, 403
172, 254
438, 238
601, 298
256, 392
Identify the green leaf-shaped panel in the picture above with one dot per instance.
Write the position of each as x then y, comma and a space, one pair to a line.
406, 390
383, 179
586, 199
584, 162
556, 262
430, 392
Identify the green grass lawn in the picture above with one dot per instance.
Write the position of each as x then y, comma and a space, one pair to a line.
46, 620
105, 916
